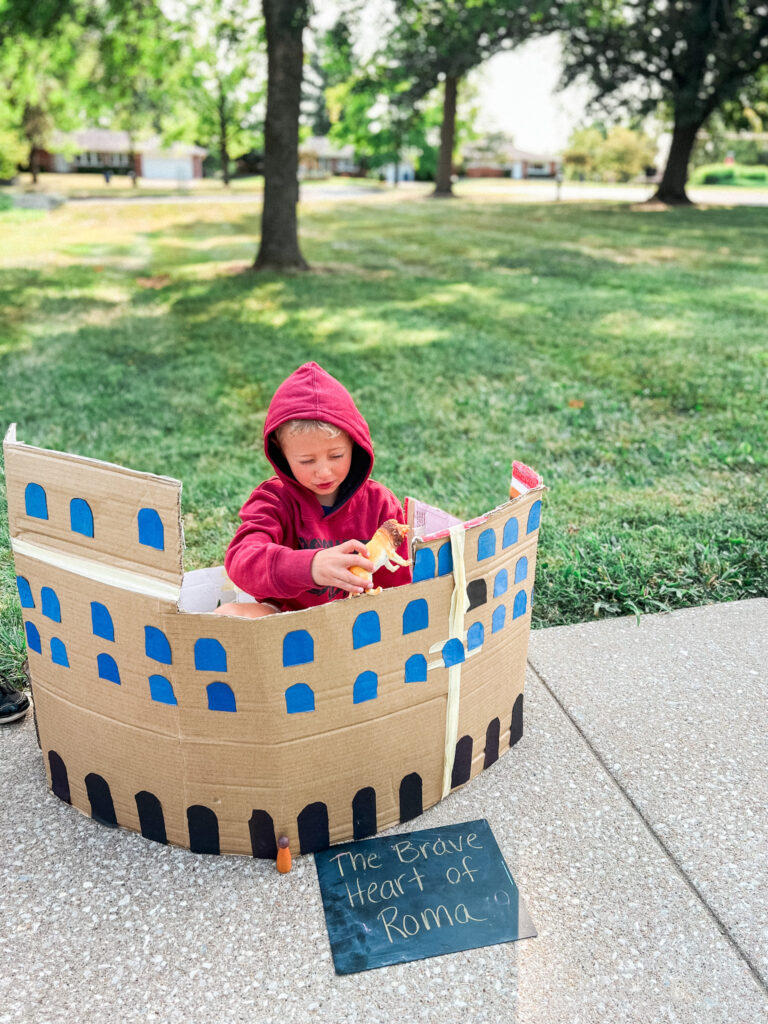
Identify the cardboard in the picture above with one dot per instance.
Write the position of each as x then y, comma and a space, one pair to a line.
221, 734
418, 894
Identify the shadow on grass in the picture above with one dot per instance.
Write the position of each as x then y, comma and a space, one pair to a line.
513, 336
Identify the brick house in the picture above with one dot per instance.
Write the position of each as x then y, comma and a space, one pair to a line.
100, 149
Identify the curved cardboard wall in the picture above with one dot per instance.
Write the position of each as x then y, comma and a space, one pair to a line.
219, 734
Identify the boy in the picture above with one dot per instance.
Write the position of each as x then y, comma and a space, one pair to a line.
294, 548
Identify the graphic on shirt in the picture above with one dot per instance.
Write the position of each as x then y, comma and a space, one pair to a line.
314, 543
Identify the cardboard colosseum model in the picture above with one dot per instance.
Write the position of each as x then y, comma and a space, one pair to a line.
222, 733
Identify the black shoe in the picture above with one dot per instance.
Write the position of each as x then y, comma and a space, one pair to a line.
13, 705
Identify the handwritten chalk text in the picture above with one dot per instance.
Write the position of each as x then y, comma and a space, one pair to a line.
407, 852
389, 889
409, 924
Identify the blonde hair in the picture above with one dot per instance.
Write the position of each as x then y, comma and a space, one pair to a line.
304, 427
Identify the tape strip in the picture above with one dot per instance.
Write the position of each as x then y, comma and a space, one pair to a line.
112, 576
459, 605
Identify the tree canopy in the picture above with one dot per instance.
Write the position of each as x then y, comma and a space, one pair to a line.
138, 71
43, 74
692, 56
441, 40
331, 62
224, 50
21, 18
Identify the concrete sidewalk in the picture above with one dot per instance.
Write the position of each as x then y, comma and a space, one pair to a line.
633, 816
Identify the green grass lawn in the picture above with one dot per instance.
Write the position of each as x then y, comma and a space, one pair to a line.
620, 352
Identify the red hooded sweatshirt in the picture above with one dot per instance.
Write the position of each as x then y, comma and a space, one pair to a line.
270, 556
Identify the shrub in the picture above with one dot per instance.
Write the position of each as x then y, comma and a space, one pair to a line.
618, 153
730, 174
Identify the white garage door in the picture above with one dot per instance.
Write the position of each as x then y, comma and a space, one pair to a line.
174, 168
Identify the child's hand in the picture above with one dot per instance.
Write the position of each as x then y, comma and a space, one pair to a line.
330, 567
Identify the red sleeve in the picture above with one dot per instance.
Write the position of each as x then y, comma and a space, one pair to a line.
257, 559
392, 509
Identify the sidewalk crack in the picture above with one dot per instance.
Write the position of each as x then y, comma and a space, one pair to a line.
721, 926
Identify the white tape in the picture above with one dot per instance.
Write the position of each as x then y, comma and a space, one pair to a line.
459, 605
99, 573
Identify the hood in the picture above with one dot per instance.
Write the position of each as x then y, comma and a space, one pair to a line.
310, 393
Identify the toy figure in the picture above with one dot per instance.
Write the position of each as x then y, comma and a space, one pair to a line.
382, 551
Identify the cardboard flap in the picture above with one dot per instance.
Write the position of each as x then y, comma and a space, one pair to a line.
427, 520
63, 506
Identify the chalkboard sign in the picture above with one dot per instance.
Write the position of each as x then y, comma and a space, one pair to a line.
418, 894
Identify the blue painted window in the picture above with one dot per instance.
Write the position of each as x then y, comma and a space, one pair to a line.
299, 697
510, 533
50, 603
107, 667
499, 618
415, 616
444, 559
366, 688
520, 605
210, 656
59, 652
81, 517
33, 637
453, 652
534, 517
220, 697
424, 565
101, 622
25, 592
366, 629
416, 669
156, 645
521, 569
298, 648
501, 583
486, 544
35, 501
161, 690
475, 636
151, 529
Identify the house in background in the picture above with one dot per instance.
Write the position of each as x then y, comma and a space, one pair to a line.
319, 157
100, 149
495, 156
405, 170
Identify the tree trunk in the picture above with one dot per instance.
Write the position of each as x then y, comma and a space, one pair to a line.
443, 184
223, 137
132, 162
671, 189
285, 22
34, 165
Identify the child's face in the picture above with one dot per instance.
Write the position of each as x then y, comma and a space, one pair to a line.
319, 462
